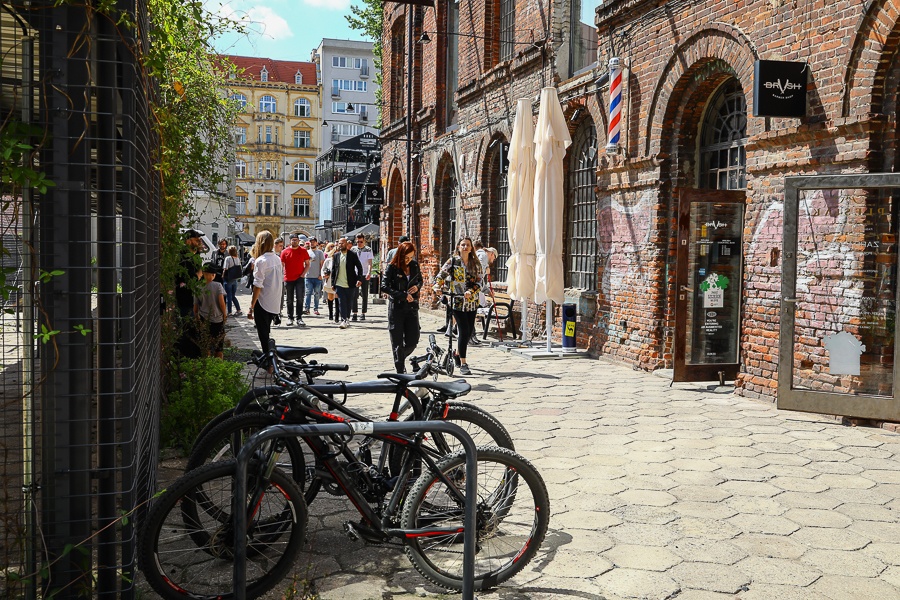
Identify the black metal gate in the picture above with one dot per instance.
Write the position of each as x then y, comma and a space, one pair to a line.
81, 337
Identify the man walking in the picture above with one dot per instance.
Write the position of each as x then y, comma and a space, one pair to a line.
295, 260
366, 258
393, 251
313, 275
218, 259
347, 275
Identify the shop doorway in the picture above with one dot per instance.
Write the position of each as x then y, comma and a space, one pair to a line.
839, 296
709, 275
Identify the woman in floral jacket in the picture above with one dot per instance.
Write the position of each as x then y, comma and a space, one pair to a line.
460, 277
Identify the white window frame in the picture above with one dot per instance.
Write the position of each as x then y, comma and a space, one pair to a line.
300, 136
301, 206
298, 78
240, 169
268, 104
240, 135
299, 169
240, 205
264, 75
299, 104
240, 99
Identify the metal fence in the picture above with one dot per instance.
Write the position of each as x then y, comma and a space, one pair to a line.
80, 339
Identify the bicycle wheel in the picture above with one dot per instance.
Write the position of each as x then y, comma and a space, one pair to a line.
187, 552
513, 513
481, 426
257, 399
225, 440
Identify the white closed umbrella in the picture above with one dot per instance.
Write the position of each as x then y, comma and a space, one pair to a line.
551, 138
520, 209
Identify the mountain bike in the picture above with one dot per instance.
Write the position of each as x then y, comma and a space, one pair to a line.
187, 542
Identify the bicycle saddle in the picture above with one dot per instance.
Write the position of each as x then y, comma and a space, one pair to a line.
398, 377
295, 352
448, 389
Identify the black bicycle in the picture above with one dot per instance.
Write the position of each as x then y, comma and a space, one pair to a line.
187, 542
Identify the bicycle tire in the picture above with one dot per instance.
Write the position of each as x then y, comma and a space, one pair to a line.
177, 566
482, 427
513, 517
257, 399
217, 445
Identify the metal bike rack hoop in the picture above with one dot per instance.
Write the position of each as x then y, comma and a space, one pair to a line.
239, 514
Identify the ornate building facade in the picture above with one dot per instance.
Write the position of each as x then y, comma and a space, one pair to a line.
277, 138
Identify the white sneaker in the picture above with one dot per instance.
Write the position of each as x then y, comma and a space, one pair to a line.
344, 324
290, 322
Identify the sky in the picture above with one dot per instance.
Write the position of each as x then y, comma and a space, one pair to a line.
283, 29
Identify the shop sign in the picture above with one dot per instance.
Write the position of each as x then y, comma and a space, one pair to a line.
779, 88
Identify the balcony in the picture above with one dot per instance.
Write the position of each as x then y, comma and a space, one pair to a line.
364, 72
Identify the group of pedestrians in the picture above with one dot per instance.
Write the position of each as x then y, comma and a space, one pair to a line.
304, 272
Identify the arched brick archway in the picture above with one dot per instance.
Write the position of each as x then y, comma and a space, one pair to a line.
394, 201
445, 215
872, 57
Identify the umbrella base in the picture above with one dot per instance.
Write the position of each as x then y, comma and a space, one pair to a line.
539, 352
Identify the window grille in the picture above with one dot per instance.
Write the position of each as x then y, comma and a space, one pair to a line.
507, 28
581, 211
498, 269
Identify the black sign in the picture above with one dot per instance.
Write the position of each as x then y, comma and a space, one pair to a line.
779, 89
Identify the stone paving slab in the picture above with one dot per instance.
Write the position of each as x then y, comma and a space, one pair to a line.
656, 492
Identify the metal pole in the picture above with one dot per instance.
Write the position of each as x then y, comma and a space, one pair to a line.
410, 46
238, 508
549, 325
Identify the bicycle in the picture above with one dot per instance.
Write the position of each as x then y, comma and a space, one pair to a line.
188, 538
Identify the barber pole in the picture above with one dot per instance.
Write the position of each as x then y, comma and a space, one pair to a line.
615, 105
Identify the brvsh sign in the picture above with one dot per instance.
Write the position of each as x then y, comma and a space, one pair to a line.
779, 89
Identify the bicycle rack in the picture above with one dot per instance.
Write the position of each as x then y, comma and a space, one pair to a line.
353, 428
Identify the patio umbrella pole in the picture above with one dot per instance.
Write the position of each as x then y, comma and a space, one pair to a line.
549, 325
526, 329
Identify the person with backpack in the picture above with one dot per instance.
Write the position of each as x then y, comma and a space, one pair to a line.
231, 274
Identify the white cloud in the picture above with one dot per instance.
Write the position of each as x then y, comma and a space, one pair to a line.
272, 25
329, 4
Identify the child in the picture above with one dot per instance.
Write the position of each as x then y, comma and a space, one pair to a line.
209, 307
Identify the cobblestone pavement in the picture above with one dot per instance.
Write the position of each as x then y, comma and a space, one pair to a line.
655, 491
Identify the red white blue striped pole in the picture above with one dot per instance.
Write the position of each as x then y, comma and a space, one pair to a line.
615, 105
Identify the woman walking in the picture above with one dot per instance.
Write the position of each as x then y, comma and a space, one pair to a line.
231, 274
401, 282
460, 277
268, 282
328, 286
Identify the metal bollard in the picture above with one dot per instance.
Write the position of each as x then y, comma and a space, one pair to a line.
238, 509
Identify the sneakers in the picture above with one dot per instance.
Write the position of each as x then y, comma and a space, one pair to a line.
354, 318
300, 323
442, 329
362, 317
290, 321
316, 313
464, 370
238, 313
344, 325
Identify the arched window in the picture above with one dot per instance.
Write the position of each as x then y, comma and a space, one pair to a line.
240, 99
723, 158
581, 210
446, 196
301, 108
498, 230
267, 104
301, 171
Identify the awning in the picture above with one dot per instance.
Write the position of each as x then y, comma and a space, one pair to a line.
370, 230
245, 239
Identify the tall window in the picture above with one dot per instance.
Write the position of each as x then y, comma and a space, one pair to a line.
301, 139
507, 29
499, 237
264, 204
398, 66
723, 158
240, 135
583, 45
452, 72
268, 138
581, 210
270, 174
264, 75
240, 99
240, 205
240, 169
301, 108
301, 172
267, 104
301, 207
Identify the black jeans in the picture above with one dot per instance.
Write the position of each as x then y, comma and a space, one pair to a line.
295, 289
403, 327
345, 298
263, 320
364, 292
465, 323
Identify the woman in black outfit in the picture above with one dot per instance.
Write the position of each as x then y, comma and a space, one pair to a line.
401, 282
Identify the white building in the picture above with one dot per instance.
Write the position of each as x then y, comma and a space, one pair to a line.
346, 74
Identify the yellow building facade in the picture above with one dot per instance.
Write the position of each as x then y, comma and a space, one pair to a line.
277, 140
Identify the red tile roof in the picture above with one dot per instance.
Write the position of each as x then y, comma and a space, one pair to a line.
282, 71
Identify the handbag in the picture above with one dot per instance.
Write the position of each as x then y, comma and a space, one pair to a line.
233, 273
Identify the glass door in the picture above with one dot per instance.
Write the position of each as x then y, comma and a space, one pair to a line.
839, 296
708, 280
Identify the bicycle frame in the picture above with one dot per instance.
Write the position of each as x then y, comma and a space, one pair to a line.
241, 515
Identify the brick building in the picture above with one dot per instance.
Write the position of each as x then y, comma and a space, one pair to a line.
674, 240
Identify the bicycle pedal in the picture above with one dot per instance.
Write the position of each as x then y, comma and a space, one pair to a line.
351, 531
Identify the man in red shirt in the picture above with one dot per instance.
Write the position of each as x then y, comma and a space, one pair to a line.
295, 260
